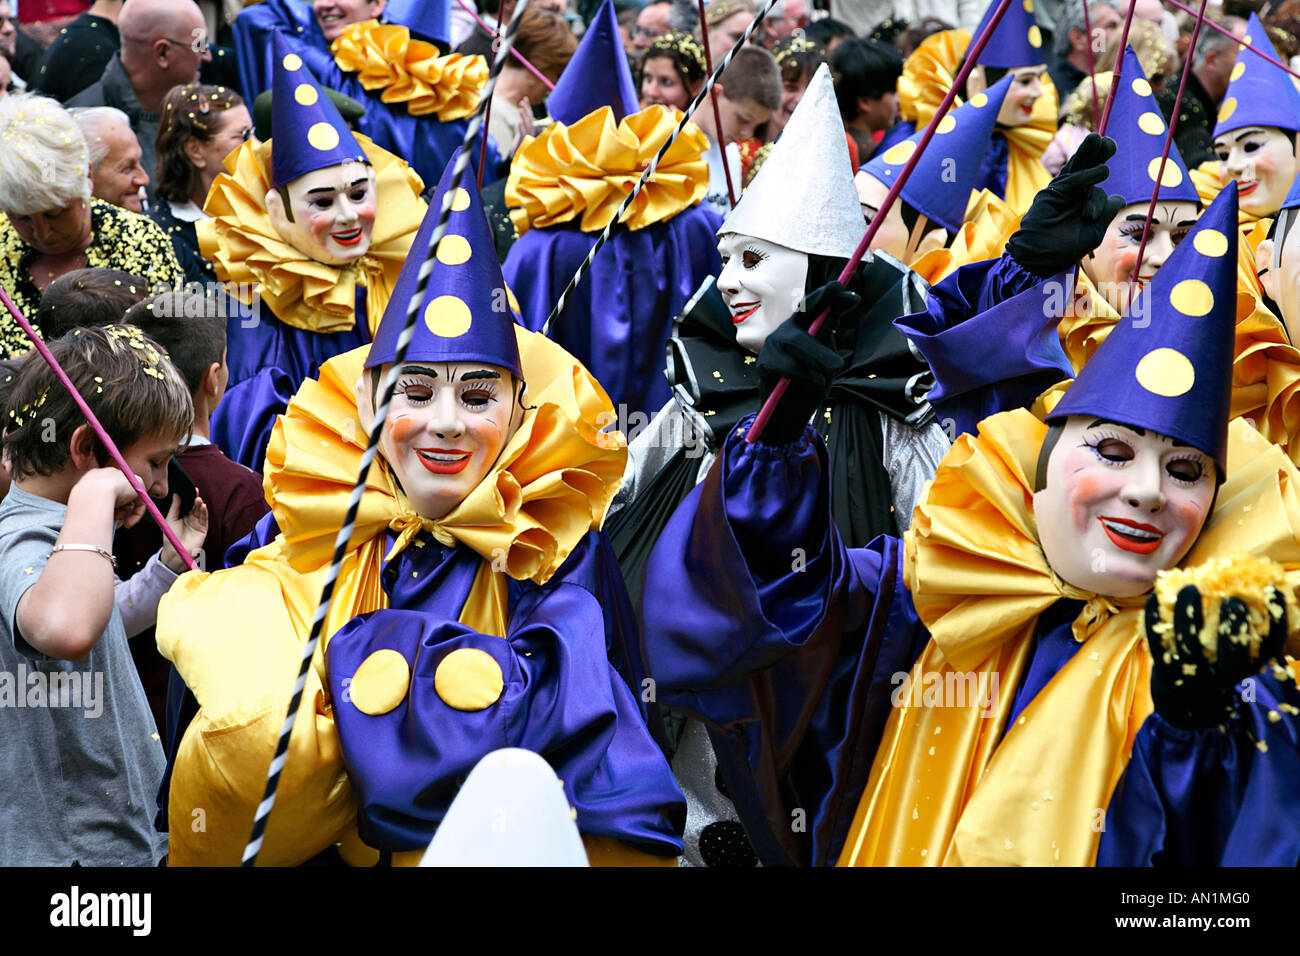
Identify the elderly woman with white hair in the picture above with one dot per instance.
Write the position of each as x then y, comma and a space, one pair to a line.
51, 223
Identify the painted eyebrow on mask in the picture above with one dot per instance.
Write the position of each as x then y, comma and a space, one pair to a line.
419, 370
479, 373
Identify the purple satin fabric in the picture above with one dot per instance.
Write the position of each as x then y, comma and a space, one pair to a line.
618, 319
562, 699
1211, 797
988, 340
781, 640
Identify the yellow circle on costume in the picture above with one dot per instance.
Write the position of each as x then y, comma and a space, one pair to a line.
979, 101
305, 94
447, 316
453, 250
460, 201
1029, 6
1035, 36
1191, 297
1237, 70
292, 61
1247, 39
323, 136
947, 124
1141, 87
380, 683
1149, 122
899, 153
1172, 175
1228, 108
1165, 372
468, 679
1210, 242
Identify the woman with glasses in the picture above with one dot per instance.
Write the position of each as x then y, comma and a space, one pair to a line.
200, 126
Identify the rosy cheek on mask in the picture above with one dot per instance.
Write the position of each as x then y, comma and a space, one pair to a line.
1126, 264
1187, 514
1088, 487
401, 429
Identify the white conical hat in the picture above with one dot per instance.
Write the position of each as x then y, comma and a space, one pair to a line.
803, 196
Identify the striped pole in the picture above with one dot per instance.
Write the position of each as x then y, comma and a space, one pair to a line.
972, 56
98, 429
1164, 155
654, 163
372, 446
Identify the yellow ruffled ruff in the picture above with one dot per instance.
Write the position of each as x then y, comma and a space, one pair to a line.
587, 169
386, 57
247, 251
553, 483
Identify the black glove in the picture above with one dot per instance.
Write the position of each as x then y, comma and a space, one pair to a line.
1205, 696
790, 352
1070, 215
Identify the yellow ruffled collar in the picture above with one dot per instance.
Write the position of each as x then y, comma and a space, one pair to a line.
554, 481
386, 57
248, 253
587, 169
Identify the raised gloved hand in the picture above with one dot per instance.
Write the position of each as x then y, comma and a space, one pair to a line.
1188, 690
1070, 216
810, 365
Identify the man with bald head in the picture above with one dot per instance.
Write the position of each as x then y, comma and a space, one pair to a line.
164, 42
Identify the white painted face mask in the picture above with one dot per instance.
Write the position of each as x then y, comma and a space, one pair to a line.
762, 284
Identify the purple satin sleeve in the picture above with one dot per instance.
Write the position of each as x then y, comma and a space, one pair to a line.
561, 698
618, 319
989, 334
253, 30
1211, 797
993, 171
758, 621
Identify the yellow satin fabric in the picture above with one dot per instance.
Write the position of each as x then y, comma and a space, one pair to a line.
587, 170
947, 787
1265, 367
246, 250
989, 223
386, 57
236, 636
927, 76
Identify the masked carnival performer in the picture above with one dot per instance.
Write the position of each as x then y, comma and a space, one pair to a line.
1012, 168
937, 225
1255, 136
565, 186
395, 60
884, 446
1064, 227
472, 611
1006, 628
294, 223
